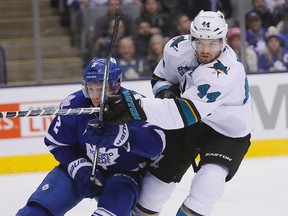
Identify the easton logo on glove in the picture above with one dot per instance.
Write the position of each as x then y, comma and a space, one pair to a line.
130, 103
124, 108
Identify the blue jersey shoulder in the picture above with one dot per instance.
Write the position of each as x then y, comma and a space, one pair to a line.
76, 100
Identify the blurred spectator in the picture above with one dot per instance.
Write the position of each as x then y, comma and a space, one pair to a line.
156, 46
255, 34
224, 6
75, 14
131, 2
276, 57
265, 14
77, 4
160, 21
54, 3
132, 65
282, 27
65, 13
192, 7
102, 46
181, 25
170, 6
142, 37
273, 4
281, 11
2, 66
102, 27
233, 40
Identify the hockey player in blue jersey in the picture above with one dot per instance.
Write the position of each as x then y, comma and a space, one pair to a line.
202, 97
123, 153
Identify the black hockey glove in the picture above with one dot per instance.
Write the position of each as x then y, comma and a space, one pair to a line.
124, 108
168, 92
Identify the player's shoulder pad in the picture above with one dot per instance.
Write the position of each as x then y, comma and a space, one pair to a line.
178, 41
75, 100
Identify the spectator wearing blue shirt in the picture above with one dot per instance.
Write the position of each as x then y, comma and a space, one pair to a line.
133, 66
276, 57
262, 9
283, 31
255, 34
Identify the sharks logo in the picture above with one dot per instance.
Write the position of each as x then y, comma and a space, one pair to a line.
176, 42
220, 68
182, 70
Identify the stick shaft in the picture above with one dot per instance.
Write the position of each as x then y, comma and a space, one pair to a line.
107, 64
104, 87
49, 112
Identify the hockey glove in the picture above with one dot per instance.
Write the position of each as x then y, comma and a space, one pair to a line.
80, 171
124, 108
168, 91
107, 136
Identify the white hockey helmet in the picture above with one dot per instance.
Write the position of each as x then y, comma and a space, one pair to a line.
209, 25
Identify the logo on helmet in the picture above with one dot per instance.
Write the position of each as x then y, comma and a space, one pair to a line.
206, 24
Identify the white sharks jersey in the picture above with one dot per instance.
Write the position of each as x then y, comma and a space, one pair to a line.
216, 93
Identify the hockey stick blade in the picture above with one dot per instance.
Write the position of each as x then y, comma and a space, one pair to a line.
49, 112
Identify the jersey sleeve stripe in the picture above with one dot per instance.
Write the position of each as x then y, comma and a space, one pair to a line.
188, 111
156, 79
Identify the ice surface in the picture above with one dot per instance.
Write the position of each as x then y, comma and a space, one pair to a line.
260, 188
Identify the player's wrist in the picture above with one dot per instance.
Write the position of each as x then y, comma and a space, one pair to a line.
77, 164
168, 91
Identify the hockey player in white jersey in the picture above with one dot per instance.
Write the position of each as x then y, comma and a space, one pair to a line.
203, 100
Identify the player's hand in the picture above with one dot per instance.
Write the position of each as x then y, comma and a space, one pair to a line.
80, 171
124, 108
108, 135
169, 91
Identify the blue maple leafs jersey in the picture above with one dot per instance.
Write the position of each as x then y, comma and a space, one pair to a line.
67, 142
216, 93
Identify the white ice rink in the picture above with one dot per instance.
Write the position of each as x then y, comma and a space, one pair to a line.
260, 188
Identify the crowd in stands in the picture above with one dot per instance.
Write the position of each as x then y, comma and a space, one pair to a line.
144, 30
266, 35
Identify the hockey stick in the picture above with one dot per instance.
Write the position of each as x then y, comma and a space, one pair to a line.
104, 88
49, 112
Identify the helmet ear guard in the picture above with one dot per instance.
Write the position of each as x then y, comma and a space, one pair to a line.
94, 73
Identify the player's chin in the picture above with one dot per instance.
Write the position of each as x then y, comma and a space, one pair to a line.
96, 104
206, 59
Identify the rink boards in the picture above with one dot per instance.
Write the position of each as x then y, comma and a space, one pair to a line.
21, 139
